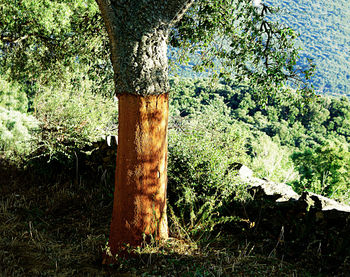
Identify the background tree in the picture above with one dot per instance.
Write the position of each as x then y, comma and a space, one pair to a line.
324, 170
46, 42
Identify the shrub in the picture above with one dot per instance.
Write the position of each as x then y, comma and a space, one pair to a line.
325, 170
271, 160
16, 132
71, 119
202, 149
12, 96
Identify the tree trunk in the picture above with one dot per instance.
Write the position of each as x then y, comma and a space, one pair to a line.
138, 32
139, 210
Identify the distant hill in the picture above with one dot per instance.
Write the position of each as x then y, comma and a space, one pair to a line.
324, 28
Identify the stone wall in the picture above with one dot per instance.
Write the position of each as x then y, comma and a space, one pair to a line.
296, 227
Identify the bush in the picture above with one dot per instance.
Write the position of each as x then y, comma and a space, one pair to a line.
202, 150
325, 170
271, 160
12, 96
72, 119
16, 132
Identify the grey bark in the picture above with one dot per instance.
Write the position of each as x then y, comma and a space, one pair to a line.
138, 32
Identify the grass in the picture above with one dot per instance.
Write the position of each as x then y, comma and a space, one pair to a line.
56, 226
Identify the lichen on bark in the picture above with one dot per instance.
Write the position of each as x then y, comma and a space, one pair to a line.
138, 31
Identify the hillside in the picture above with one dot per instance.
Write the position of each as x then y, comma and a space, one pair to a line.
55, 215
286, 140
324, 28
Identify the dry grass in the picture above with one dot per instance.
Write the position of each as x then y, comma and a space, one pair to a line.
59, 228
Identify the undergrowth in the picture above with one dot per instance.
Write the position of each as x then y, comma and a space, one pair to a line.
58, 227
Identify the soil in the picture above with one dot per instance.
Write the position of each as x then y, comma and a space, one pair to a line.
56, 224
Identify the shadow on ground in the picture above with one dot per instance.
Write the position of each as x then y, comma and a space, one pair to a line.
57, 225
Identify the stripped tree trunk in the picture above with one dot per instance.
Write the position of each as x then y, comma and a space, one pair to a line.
141, 173
138, 32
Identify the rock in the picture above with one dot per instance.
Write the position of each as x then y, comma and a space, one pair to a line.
243, 172
281, 192
307, 226
324, 203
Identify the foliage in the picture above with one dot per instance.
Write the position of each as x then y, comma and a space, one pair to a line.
16, 132
71, 119
325, 170
56, 52
268, 158
324, 37
285, 124
41, 40
236, 36
12, 96
238, 41
203, 147
272, 161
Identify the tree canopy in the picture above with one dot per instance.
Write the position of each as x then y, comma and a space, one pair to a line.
46, 41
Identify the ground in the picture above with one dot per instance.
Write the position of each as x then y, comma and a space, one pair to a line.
60, 227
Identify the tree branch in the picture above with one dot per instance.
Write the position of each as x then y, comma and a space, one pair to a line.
12, 39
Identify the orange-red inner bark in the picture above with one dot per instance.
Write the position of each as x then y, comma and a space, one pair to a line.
141, 174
